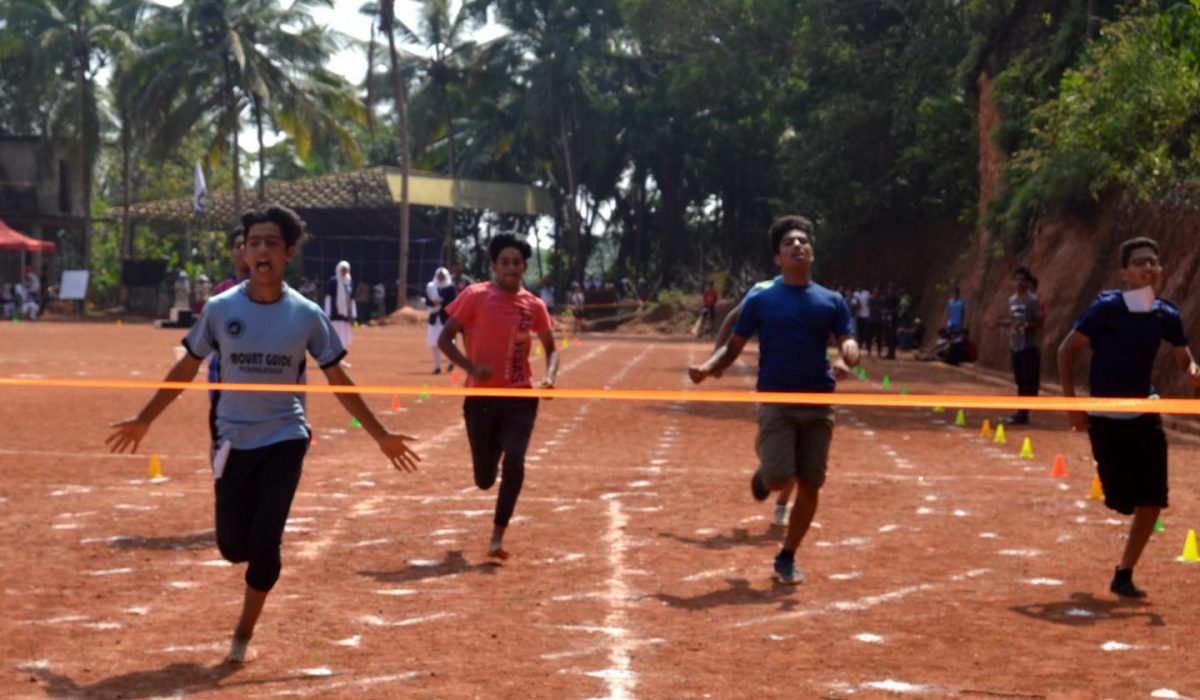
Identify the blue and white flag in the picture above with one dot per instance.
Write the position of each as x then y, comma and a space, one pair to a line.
201, 191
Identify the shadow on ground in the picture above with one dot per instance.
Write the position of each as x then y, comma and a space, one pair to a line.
453, 563
1083, 609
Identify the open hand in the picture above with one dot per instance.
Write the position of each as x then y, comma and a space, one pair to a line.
128, 434
482, 372
402, 457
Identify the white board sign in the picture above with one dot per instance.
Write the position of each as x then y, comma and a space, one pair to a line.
74, 285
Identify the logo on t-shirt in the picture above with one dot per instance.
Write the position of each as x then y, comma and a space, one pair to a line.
234, 327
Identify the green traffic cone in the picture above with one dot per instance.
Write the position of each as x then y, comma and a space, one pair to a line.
1158, 526
887, 381
354, 423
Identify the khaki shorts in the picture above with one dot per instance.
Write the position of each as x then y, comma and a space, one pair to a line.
793, 441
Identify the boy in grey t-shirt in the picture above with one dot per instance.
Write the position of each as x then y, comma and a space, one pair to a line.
262, 330
1024, 324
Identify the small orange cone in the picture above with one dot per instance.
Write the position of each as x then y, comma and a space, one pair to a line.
395, 403
1060, 467
120, 323
1097, 491
986, 430
155, 471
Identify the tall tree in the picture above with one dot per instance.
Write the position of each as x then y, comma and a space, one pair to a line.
388, 25
73, 38
561, 41
446, 36
222, 57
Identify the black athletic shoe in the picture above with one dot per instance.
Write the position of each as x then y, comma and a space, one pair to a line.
758, 489
1122, 584
1017, 419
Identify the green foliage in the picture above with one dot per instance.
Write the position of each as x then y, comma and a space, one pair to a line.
1125, 121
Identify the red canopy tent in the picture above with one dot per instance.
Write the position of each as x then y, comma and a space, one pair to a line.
11, 239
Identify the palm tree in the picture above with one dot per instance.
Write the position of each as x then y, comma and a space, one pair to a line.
446, 37
73, 38
222, 56
560, 39
387, 14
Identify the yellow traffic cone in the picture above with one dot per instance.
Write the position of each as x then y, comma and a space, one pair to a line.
938, 409
1026, 449
1097, 492
155, 471
1000, 439
986, 430
537, 350
960, 420
566, 343
1189, 548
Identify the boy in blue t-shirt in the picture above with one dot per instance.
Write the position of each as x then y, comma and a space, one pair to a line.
1124, 330
726, 330
263, 331
794, 321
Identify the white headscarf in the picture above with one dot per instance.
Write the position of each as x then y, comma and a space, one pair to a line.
431, 289
344, 288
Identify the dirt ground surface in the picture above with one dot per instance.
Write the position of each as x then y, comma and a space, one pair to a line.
941, 564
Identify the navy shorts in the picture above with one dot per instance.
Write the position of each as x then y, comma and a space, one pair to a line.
1131, 459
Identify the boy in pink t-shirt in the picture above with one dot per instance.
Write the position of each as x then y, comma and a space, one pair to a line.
501, 319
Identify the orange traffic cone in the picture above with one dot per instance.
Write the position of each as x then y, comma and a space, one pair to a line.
1097, 491
1060, 467
395, 403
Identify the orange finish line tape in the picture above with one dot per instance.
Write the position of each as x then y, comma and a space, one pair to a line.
1036, 403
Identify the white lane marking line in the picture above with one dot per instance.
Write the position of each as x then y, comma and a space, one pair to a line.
55, 620
1020, 552
376, 621
619, 676
857, 605
192, 648
111, 572
323, 688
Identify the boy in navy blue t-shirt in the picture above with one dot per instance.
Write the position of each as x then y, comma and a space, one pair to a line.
794, 320
1124, 330
263, 331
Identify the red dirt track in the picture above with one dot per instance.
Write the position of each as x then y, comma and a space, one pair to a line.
943, 566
